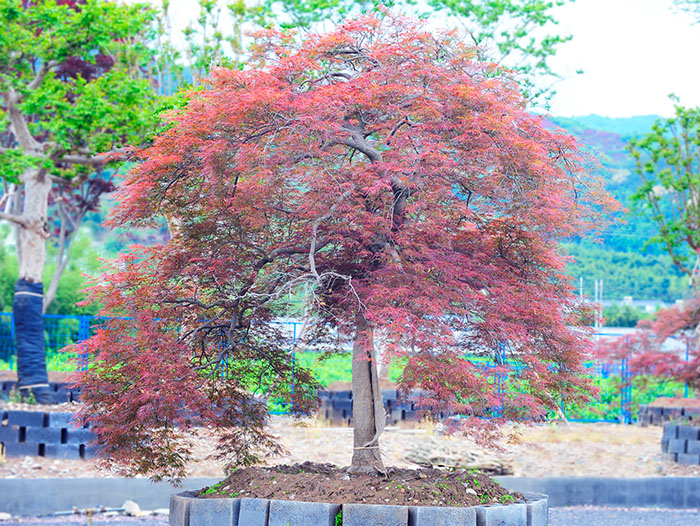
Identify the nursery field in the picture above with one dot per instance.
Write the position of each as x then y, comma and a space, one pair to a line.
545, 450
336, 371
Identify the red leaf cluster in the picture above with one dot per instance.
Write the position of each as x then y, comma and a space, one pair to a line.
649, 350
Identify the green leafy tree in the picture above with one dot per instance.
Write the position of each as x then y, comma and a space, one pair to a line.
517, 34
691, 6
514, 33
74, 97
624, 315
668, 161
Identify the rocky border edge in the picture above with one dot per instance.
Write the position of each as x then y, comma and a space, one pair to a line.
188, 510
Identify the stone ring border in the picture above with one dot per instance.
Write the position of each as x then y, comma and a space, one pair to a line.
188, 510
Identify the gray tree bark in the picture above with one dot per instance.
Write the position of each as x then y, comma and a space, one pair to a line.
368, 409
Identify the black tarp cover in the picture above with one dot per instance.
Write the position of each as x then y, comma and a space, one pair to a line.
29, 334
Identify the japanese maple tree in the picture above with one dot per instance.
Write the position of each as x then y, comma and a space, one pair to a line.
398, 180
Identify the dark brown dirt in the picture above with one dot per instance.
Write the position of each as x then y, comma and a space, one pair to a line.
54, 376
665, 401
327, 483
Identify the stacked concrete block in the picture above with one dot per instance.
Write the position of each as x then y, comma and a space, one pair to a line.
658, 416
682, 443
36, 433
61, 392
336, 406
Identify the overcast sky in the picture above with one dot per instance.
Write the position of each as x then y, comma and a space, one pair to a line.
633, 54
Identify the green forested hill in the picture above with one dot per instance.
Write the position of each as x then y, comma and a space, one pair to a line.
623, 260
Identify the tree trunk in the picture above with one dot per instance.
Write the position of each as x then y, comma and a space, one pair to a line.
368, 408
28, 301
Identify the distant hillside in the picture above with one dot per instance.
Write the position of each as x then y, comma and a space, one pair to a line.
625, 127
622, 260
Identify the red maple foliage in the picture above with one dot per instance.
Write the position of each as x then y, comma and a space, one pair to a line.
648, 351
398, 181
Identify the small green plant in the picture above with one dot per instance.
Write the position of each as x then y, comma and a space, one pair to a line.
16, 397
216, 488
507, 498
339, 518
484, 499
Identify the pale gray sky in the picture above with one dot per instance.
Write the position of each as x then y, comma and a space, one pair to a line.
634, 53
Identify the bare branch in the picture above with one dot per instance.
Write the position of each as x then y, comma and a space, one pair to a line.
19, 124
118, 154
14, 219
41, 74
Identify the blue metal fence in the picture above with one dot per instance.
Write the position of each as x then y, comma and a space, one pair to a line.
616, 404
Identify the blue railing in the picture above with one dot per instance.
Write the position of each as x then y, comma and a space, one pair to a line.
615, 405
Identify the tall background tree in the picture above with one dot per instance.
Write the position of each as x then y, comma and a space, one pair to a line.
668, 162
397, 178
73, 98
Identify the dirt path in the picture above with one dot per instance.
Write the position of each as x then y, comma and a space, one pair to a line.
605, 450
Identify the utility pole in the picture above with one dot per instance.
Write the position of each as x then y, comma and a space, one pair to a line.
598, 302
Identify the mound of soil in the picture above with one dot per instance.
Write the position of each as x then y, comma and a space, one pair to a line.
310, 482
665, 401
54, 376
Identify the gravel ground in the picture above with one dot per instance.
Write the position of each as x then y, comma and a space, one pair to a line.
547, 450
592, 516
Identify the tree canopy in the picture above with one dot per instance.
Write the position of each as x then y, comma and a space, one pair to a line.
668, 162
398, 180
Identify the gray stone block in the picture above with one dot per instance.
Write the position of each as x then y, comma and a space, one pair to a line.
21, 450
643, 492
60, 420
688, 433
691, 493
670, 431
609, 491
42, 435
292, 513
25, 418
508, 515
688, 459
90, 451
375, 515
664, 445
253, 512
79, 436
214, 512
180, 509
676, 446
439, 516
537, 509
693, 447
9, 434
62, 451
